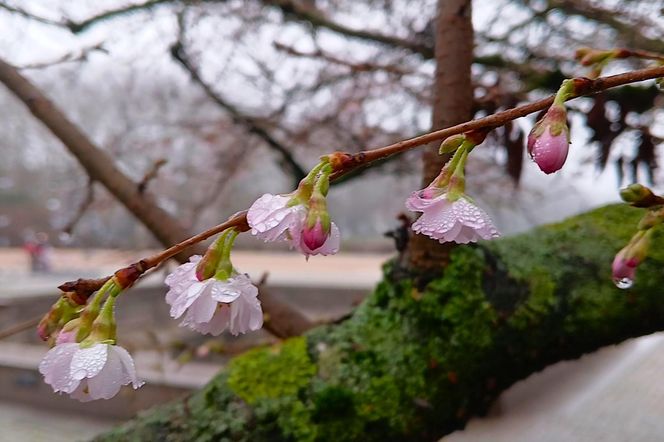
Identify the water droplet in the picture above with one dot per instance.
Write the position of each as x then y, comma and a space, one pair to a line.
623, 283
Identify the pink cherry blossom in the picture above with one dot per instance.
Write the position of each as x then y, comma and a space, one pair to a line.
271, 219
212, 306
88, 373
457, 221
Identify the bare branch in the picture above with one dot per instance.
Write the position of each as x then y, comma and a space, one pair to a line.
85, 204
250, 124
631, 35
21, 326
151, 174
70, 57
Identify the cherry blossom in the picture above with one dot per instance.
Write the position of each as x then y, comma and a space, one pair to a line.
88, 373
212, 305
445, 220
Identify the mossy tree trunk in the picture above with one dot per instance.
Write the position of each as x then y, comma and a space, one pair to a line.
415, 364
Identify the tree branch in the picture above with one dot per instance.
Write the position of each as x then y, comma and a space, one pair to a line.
630, 34
296, 170
100, 166
346, 163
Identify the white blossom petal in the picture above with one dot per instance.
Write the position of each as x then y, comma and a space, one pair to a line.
55, 367
90, 373
451, 221
88, 362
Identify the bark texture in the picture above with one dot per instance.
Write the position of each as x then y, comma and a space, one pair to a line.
414, 364
453, 104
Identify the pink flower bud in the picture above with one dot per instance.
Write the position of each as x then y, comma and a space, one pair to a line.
548, 142
65, 337
628, 259
624, 269
314, 237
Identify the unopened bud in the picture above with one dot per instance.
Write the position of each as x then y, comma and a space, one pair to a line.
49, 323
548, 141
628, 259
68, 332
207, 266
451, 144
640, 196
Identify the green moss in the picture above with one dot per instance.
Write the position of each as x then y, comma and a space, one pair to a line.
272, 372
414, 364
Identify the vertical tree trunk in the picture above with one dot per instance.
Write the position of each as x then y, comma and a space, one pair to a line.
453, 101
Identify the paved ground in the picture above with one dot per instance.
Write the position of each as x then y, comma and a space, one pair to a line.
613, 395
22, 423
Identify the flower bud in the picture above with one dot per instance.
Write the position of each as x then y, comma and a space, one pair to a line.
548, 141
68, 332
635, 193
207, 266
50, 321
450, 144
627, 260
60, 313
316, 235
640, 196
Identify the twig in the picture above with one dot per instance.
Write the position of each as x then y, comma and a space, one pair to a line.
70, 57
583, 86
179, 53
21, 326
151, 174
85, 204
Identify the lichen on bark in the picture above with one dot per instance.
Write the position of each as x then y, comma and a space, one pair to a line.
415, 364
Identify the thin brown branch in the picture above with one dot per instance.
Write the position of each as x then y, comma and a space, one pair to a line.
250, 124
26, 14
70, 57
631, 35
151, 174
354, 67
348, 162
85, 204
21, 326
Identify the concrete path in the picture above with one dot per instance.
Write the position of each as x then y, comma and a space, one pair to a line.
613, 395
22, 423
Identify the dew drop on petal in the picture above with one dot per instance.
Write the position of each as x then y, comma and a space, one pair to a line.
623, 283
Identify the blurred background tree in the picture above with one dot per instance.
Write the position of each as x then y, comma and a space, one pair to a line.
239, 97
210, 103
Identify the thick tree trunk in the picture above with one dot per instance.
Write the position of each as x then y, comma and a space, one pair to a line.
453, 103
417, 364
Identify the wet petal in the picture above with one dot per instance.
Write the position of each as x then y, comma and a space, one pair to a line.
56, 367
88, 362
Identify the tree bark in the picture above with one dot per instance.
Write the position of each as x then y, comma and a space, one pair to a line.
453, 104
414, 365
99, 165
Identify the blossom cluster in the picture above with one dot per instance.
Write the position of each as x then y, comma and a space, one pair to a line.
208, 294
